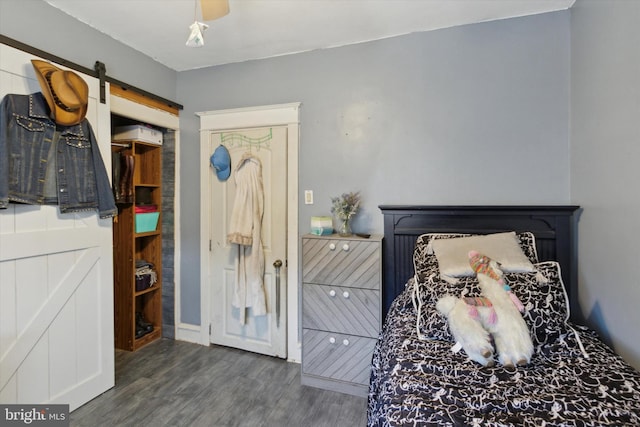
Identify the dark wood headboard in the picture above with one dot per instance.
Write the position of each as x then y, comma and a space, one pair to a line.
553, 226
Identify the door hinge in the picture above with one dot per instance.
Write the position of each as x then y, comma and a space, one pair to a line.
209, 329
209, 251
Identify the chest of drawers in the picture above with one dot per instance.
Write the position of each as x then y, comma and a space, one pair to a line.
341, 310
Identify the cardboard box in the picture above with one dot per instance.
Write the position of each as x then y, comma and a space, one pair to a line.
147, 222
137, 133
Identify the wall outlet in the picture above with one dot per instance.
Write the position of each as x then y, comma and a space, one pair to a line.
308, 197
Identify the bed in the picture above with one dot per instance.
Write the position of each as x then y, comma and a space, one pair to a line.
573, 378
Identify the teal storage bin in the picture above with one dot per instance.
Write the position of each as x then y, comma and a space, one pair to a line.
146, 222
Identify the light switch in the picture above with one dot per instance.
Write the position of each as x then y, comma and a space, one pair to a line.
308, 197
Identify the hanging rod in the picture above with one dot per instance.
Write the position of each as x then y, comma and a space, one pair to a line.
120, 144
98, 72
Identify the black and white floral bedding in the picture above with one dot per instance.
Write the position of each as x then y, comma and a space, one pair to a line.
573, 378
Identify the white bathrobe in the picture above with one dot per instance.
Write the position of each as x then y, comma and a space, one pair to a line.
245, 230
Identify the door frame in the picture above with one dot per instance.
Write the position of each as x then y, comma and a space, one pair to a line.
132, 108
261, 116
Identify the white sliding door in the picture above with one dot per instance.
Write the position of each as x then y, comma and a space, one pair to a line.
56, 281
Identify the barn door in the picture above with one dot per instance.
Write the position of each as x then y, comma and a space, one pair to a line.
56, 282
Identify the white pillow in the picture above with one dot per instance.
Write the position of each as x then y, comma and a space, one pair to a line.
453, 258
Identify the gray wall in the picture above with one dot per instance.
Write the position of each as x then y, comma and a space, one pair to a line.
36, 23
605, 151
470, 115
475, 114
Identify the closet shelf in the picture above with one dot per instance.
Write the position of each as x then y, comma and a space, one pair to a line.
130, 246
149, 233
153, 288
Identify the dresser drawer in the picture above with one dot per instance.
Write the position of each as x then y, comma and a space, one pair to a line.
341, 309
351, 263
337, 356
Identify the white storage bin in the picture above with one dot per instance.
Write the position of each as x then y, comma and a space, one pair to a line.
138, 133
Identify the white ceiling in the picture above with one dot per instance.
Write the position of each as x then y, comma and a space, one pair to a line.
257, 29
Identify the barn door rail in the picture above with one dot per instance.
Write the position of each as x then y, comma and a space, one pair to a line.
99, 71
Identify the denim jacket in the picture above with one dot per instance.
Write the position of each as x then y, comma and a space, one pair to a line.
26, 134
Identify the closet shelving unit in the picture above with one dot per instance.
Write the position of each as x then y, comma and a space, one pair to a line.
130, 246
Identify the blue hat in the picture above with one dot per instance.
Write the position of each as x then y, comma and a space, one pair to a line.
221, 161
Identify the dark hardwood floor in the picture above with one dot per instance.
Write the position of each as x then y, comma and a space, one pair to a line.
174, 383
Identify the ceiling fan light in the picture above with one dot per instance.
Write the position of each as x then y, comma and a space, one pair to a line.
196, 35
214, 9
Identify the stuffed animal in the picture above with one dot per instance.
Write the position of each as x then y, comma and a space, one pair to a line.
473, 321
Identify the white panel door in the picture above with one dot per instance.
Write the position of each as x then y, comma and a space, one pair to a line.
56, 281
260, 334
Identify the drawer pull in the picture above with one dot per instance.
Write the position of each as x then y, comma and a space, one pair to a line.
345, 247
332, 340
345, 341
345, 294
332, 293
332, 246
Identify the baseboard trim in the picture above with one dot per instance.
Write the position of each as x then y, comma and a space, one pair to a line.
189, 333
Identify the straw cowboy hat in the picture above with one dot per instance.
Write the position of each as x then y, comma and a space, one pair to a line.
65, 91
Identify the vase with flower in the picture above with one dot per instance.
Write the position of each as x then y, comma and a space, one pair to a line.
344, 207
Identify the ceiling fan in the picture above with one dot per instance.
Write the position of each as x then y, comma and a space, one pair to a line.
211, 9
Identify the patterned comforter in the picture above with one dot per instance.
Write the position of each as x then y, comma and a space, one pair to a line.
422, 382
573, 378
